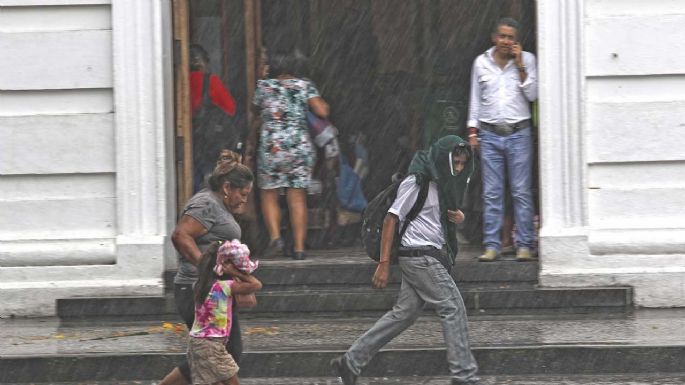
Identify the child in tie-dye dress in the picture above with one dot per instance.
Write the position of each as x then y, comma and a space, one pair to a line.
210, 363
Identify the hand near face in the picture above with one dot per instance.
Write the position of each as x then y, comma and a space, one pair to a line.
229, 268
455, 216
516, 53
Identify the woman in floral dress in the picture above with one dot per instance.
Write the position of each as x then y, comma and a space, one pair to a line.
286, 154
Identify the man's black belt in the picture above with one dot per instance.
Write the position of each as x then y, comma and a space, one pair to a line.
430, 251
505, 129
419, 251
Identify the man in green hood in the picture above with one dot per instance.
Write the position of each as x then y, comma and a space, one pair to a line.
425, 256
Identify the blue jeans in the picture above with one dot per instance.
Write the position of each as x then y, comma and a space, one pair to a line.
424, 280
510, 155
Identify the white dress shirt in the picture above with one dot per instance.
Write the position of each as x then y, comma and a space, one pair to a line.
425, 229
497, 94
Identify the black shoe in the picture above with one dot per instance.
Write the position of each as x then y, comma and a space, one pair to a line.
473, 382
340, 368
274, 249
298, 255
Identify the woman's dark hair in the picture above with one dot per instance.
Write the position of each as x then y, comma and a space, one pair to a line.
232, 171
287, 63
205, 271
197, 53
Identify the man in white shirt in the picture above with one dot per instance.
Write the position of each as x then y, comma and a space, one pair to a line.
503, 84
427, 251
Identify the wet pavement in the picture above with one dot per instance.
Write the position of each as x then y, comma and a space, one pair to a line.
26, 337
615, 379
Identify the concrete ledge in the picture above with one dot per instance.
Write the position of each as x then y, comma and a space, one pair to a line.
138, 271
361, 273
655, 289
59, 252
475, 300
20, 299
579, 359
347, 300
637, 241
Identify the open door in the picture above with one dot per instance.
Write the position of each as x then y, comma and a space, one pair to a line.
231, 29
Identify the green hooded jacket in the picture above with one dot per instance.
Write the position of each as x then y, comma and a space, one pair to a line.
434, 164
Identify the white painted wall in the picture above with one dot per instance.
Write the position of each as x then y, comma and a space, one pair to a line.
631, 84
86, 172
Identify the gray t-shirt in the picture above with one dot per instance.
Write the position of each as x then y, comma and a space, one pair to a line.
209, 210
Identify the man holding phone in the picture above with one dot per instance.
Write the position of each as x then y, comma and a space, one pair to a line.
503, 84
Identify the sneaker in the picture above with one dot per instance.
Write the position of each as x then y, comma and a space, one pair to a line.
489, 255
298, 255
274, 249
458, 382
523, 254
340, 368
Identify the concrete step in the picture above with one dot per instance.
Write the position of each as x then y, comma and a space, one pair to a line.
476, 298
351, 266
339, 281
504, 298
41, 350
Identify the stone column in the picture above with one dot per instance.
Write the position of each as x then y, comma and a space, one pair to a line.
563, 199
143, 115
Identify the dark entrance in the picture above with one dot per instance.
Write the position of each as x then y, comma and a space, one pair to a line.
394, 72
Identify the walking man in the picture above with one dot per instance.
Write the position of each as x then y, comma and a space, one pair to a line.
503, 84
426, 255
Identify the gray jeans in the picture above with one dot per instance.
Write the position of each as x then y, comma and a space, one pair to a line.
424, 280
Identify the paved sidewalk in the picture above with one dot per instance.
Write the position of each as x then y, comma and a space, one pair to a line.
647, 341
50, 336
644, 379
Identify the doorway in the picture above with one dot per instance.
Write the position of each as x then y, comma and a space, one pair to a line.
391, 71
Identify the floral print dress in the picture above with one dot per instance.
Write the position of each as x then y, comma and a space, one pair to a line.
286, 155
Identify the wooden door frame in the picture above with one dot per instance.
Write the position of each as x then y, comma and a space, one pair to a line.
253, 51
183, 119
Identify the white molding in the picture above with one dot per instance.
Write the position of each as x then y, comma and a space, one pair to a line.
57, 252
144, 113
26, 3
561, 87
141, 116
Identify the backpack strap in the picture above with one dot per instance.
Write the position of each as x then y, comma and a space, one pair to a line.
418, 205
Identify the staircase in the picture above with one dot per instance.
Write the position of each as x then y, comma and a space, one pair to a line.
310, 311
339, 281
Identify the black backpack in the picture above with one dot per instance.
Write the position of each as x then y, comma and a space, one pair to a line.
213, 129
374, 214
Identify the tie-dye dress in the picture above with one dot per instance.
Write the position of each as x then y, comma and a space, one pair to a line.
213, 316
286, 155
209, 361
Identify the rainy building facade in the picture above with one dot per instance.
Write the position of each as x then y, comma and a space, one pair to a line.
92, 170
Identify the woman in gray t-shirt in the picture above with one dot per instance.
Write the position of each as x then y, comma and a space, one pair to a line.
208, 217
